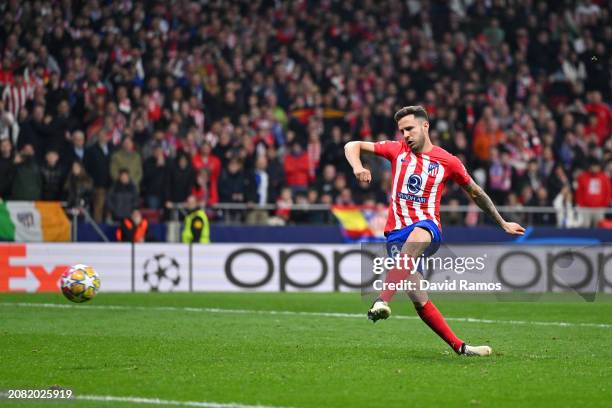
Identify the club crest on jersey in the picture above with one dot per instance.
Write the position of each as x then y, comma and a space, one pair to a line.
433, 168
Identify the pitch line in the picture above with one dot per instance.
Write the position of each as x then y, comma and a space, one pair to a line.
294, 313
156, 401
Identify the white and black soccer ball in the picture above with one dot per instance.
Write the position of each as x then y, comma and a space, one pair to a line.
161, 273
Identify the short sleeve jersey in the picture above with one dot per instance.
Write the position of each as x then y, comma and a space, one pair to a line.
418, 182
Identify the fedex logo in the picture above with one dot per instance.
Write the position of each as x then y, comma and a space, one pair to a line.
48, 281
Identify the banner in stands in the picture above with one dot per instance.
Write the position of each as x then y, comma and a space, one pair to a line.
282, 267
33, 221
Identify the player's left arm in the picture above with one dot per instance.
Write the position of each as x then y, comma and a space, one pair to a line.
481, 198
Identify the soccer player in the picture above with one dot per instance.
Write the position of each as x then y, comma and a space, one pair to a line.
419, 172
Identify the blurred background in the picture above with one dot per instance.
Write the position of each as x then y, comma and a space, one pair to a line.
236, 112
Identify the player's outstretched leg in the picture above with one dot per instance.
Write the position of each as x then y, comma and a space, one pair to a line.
429, 313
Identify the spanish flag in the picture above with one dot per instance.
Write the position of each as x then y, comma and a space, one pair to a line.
353, 221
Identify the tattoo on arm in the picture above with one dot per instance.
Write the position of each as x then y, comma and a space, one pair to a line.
483, 201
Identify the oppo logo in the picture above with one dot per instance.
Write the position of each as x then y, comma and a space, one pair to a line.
551, 266
317, 262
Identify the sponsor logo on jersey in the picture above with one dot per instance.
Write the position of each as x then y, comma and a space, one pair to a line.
414, 183
410, 197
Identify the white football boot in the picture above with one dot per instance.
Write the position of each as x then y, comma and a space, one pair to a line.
475, 351
379, 310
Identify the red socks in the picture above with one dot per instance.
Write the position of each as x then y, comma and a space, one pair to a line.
428, 313
434, 319
395, 276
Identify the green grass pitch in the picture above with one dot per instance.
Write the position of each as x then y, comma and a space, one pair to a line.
185, 353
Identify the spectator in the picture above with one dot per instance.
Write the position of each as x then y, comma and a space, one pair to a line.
284, 204
52, 177
275, 173
75, 150
602, 114
7, 168
197, 227
27, 181
567, 214
516, 214
487, 134
262, 180
35, 131
236, 185
155, 179
203, 190
262, 191
206, 160
541, 200
314, 154
18, 91
301, 215
363, 193
127, 158
133, 228
593, 194
97, 164
9, 128
122, 197
500, 176
296, 168
531, 177
60, 126
181, 181
78, 187
333, 150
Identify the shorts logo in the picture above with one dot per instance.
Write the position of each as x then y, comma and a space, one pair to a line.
414, 183
433, 168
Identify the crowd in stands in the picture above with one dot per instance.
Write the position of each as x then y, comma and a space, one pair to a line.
124, 104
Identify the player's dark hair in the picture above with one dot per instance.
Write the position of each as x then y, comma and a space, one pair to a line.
417, 110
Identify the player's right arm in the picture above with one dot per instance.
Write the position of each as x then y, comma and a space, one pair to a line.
352, 151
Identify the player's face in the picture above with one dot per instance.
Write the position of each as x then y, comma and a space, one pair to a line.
413, 130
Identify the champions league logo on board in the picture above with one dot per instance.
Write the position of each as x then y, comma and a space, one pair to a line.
161, 273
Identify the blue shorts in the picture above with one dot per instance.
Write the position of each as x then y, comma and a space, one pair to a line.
397, 238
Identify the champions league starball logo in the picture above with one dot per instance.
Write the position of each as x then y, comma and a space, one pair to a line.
161, 273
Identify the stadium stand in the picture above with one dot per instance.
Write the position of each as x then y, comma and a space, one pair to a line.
252, 101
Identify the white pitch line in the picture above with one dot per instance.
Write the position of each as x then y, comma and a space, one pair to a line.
293, 313
157, 401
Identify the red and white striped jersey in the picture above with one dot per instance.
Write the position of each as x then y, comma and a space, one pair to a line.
418, 182
15, 97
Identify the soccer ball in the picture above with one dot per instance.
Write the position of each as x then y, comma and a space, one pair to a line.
80, 283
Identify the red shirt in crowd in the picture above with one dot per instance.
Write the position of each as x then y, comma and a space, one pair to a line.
593, 190
213, 165
604, 120
296, 170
